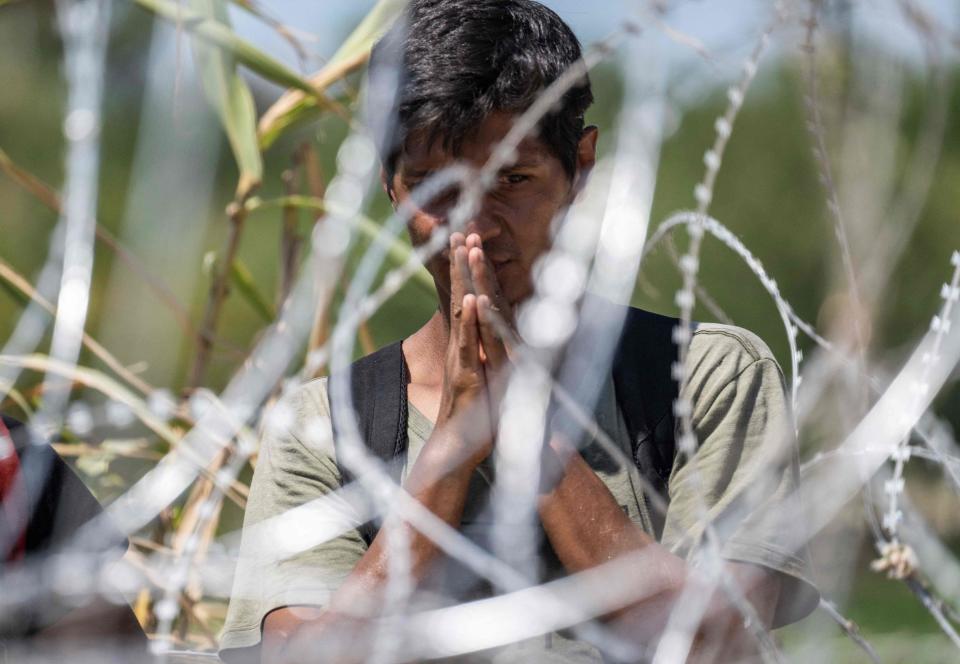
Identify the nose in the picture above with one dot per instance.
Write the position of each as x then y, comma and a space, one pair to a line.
484, 224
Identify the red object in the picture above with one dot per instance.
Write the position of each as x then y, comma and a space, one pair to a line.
11, 491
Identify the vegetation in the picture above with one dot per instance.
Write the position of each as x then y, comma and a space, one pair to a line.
200, 310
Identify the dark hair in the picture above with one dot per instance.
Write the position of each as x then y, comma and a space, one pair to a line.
460, 60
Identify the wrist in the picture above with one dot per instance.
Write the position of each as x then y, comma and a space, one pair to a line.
554, 457
447, 456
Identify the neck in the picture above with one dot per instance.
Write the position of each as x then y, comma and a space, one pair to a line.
425, 349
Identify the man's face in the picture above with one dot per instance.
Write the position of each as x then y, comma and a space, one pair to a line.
514, 217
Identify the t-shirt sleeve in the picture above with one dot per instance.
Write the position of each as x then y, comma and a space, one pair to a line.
299, 538
744, 475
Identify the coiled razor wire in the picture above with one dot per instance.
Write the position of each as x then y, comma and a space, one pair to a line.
220, 432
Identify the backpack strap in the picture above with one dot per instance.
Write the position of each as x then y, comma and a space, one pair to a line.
643, 381
646, 390
378, 385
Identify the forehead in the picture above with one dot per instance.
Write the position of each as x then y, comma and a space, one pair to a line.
422, 154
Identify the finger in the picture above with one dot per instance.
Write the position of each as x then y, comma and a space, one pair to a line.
457, 286
485, 282
467, 339
482, 273
490, 328
462, 265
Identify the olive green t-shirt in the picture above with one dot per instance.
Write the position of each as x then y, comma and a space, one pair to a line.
300, 539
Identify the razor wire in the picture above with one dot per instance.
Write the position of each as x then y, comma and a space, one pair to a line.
621, 195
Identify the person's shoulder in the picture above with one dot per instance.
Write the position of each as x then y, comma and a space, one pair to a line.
298, 422
300, 404
310, 397
720, 354
722, 340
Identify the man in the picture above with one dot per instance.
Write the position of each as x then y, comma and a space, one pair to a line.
468, 69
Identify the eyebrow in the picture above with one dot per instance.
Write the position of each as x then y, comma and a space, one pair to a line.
528, 160
524, 162
527, 156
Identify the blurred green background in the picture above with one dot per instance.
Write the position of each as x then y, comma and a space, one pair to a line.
767, 193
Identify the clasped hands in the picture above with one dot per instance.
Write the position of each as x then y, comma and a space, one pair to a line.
477, 359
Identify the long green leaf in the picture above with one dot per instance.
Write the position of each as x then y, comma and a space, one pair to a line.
245, 53
46, 195
295, 108
373, 25
21, 299
31, 183
14, 283
96, 380
16, 396
229, 95
398, 253
286, 32
242, 279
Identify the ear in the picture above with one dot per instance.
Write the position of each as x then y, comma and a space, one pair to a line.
387, 186
586, 157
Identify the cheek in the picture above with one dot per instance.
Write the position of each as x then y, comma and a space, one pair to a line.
421, 227
532, 221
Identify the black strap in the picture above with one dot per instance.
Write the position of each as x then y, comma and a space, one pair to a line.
643, 382
646, 390
378, 385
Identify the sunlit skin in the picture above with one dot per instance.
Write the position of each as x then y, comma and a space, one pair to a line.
514, 219
504, 238
457, 362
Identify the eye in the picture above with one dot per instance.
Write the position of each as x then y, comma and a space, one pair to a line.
514, 178
443, 200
